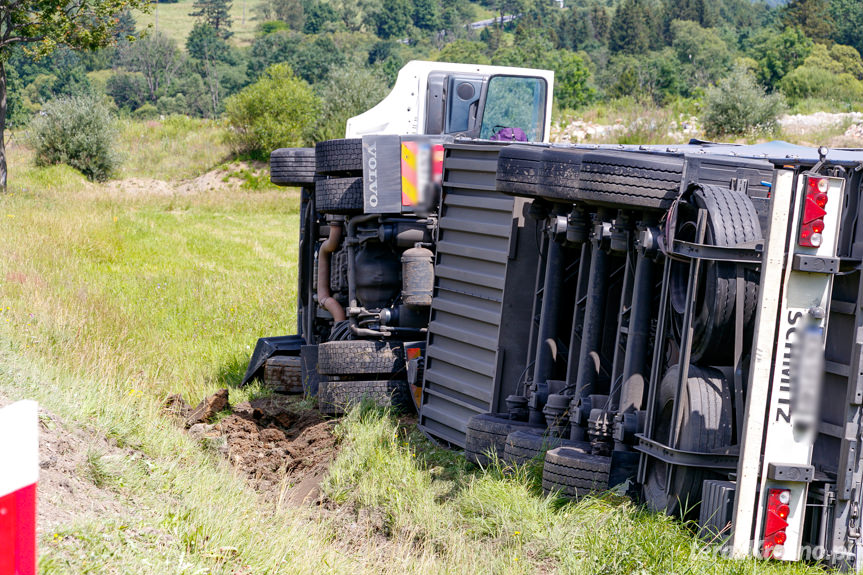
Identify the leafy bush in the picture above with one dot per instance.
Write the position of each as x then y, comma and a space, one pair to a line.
738, 105
78, 131
818, 82
279, 110
146, 112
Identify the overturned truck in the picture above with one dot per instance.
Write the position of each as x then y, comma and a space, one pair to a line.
692, 336
681, 324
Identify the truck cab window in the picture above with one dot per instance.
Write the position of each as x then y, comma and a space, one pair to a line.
514, 109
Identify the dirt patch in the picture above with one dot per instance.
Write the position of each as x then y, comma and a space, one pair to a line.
284, 451
219, 179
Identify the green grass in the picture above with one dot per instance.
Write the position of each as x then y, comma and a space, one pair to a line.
173, 19
458, 519
175, 148
112, 300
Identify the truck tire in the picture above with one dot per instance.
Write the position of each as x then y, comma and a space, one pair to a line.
340, 157
731, 220
343, 196
524, 447
292, 166
706, 426
486, 434
342, 395
360, 357
614, 178
519, 170
573, 472
283, 374
325, 404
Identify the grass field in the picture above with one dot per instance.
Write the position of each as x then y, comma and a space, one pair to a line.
111, 300
173, 19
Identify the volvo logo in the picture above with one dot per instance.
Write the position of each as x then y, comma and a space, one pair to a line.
372, 175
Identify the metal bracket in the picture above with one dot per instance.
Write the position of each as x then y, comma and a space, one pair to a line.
735, 254
795, 473
657, 450
815, 264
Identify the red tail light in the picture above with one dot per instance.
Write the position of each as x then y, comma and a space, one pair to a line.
812, 223
775, 523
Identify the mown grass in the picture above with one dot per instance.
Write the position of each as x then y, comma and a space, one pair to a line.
112, 300
173, 20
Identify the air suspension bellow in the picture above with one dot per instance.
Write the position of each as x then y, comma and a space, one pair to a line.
417, 277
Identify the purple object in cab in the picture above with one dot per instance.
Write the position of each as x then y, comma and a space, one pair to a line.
509, 135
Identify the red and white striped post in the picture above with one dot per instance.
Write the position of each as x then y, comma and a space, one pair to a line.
19, 471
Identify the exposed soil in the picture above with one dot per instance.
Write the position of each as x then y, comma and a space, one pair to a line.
215, 180
284, 451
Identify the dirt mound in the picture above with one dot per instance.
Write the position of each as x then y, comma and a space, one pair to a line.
283, 450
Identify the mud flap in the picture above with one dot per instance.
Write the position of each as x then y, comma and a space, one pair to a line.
268, 347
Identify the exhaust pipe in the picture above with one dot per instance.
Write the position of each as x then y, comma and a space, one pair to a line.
325, 298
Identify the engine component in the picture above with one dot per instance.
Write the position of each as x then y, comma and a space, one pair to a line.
377, 274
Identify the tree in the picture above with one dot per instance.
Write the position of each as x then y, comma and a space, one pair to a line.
705, 12
848, 15
43, 25
812, 16
156, 57
701, 50
572, 87
291, 12
427, 15
346, 92
630, 32
216, 13
463, 52
394, 18
777, 53
206, 45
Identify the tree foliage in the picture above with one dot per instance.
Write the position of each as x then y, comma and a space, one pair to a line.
347, 92
214, 13
277, 111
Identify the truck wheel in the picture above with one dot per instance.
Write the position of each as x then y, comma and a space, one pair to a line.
574, 472
519, 170
340, 157
524, 447
613, 178
731, 220
360, 357
339, 196
325, 404
283, 374
342, 395
292, 166
486, 434
705, 412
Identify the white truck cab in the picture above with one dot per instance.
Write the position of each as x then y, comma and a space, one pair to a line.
437, 98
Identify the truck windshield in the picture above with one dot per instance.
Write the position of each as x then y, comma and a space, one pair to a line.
514, 109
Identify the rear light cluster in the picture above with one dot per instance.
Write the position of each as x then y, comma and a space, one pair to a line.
812, 224
776, 523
